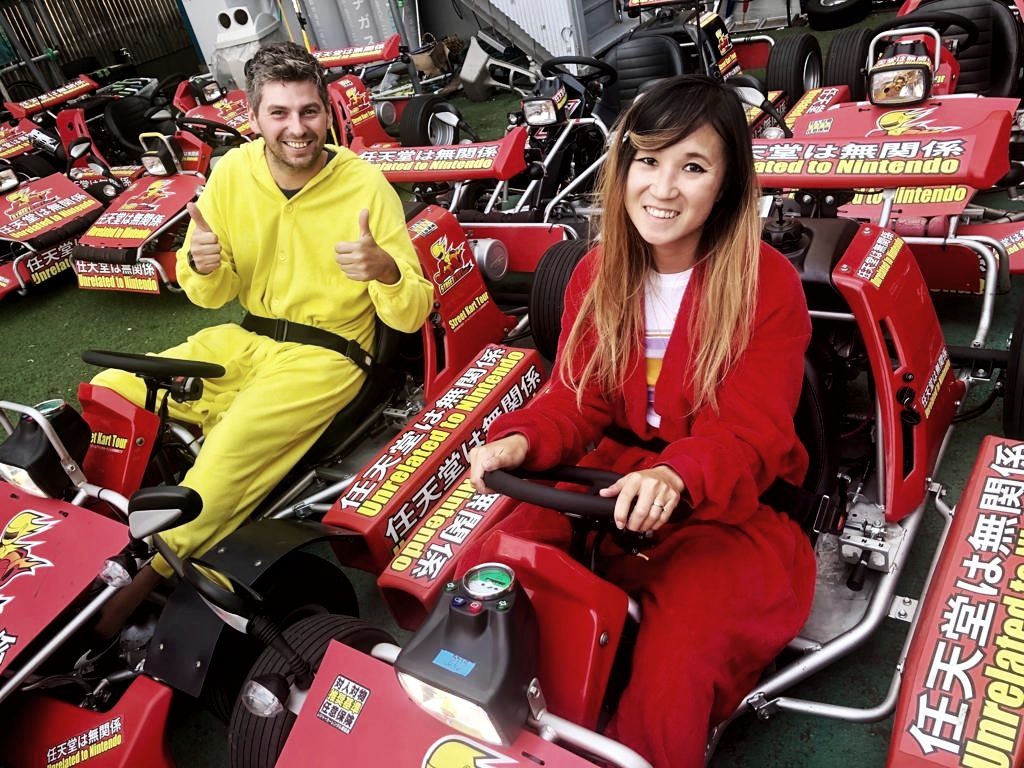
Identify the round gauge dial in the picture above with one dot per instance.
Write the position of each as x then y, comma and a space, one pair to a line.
488, 580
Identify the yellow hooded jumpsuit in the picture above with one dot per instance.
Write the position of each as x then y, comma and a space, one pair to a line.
276, 398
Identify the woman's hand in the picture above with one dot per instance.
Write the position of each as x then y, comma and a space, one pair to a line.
508, 452
657, 492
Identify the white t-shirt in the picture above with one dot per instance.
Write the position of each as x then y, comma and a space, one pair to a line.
663, 296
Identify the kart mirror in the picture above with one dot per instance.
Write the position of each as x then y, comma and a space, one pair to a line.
160, 114
152, 510
79, 148
748, 92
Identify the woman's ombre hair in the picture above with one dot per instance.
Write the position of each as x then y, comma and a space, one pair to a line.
609, 329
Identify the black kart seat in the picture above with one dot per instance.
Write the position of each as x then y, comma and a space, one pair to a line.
993, 65
380, 382
125, 118
639, 61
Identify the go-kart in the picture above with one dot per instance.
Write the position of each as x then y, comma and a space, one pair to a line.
132, 246
483, 680
365, 117
59, 692
40, 220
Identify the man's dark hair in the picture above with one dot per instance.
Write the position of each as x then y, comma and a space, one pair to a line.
285, 62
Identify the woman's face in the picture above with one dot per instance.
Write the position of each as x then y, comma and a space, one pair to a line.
670, 193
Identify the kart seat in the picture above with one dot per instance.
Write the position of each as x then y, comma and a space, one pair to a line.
994, 64
125, 118
639, 61
348, 424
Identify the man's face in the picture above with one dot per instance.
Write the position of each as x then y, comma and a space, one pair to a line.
293, 122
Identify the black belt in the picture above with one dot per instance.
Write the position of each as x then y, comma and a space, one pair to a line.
286, 330
817, 512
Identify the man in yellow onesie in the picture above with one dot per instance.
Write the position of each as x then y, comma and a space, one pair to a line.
296, 231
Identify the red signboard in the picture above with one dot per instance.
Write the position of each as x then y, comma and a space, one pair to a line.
421, 464
962, 699
141, 210
41, 206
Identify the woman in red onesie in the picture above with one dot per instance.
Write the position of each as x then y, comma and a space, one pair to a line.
683, 329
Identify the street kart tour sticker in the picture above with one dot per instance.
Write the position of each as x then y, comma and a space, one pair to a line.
343, 704
85, 746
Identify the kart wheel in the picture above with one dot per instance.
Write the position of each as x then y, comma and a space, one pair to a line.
256, 742
547, 293
836, 14
1013, 395
794, 66
428, 121
847, 61
307, 586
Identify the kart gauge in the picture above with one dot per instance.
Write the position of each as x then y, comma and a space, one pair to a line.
488, 580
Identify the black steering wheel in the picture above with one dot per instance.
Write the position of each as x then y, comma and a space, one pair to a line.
209, 131
525, 485
602, 72
942, 21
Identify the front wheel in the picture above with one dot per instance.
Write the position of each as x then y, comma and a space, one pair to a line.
256, 742
428, 121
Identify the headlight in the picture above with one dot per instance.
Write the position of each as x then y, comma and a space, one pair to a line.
29, 461
540, 112
8, 180
154, 165
20, 478
454, 711
212, 92
900, 81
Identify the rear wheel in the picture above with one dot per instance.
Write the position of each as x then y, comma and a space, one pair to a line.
547, 293
428, 121
794, 66
847, 61
256, 742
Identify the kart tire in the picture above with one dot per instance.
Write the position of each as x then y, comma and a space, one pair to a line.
794, 66
420, 126
1013, 395
547, 293
835, 14
847, 57
256, 742
307, 586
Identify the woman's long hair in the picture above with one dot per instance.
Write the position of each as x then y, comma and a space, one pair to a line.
609, 328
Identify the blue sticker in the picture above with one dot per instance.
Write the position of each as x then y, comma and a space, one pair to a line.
454, 663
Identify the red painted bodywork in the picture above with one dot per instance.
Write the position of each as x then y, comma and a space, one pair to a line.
80, 86
42, 731
387, 729
886, 292
232, 110
358, 55
962, 696
50, 551
123, 436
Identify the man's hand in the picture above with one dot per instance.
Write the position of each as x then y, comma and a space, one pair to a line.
204, 247
363, 259
657, 492
506, 453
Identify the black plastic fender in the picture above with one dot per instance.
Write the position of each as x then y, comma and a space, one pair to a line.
187, 633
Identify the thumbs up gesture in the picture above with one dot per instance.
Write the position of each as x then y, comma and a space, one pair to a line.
204, 249
363, 259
